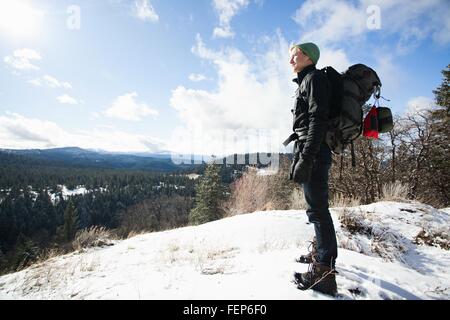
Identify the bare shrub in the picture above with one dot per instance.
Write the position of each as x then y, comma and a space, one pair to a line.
354, 223
248, 193
155, 214
92, 237
384, 242
280, 187
395, 191
388, 245
253, 192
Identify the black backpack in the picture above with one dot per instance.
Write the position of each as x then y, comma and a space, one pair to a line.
350, 91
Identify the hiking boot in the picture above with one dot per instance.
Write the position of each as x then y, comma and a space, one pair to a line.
319, 278
309, 258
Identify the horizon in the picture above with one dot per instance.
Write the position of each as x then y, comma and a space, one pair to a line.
203, 77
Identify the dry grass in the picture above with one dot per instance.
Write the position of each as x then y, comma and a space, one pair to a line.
49, 254
92, 237
298, 201
339, 200
434, 239
354, 223
384, 242
133, 234
395, 191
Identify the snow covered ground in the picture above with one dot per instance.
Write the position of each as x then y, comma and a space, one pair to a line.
252, 256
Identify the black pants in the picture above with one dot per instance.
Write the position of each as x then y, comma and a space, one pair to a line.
316, 196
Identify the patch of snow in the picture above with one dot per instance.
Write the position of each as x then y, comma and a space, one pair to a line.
251, 256
265, 172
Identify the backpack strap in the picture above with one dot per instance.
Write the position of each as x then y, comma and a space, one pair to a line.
291, 138
349, 116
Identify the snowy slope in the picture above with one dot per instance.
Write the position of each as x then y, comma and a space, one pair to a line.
252, 256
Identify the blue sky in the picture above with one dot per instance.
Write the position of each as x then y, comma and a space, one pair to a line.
185, 76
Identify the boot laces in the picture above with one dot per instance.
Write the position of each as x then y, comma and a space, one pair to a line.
312, 269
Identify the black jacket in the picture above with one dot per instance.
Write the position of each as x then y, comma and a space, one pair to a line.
311, 110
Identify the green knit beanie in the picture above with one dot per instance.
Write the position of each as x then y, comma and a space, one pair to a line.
311, 50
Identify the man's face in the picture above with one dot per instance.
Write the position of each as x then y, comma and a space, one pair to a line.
299, 60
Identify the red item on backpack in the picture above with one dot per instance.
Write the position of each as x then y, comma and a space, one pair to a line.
370, 128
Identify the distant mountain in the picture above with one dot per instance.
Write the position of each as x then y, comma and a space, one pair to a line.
158, 162
75, 156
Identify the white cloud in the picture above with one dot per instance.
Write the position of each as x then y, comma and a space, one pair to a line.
144, 10
50, 82
66, 99
19, 132
334, 21
223, 32
336, 58
418, 104
253, 93
36, 82
326, 21
54, 83
22, 59
126, 107
227, 9
197, 77
392, 76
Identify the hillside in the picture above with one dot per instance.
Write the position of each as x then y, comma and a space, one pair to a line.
77, 157
252, 256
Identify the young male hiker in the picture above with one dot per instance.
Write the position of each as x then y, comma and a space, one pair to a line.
311, 165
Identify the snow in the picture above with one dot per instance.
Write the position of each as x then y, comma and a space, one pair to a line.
265, 172
252, 256
78, 190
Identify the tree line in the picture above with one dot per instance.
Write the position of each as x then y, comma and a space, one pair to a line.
34, 212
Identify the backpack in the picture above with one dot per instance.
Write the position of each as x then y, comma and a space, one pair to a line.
350, 91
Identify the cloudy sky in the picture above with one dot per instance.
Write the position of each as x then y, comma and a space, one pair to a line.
201, 76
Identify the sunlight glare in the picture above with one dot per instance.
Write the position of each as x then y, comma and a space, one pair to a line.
19, 19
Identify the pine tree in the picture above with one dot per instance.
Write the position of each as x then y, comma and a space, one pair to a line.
70, 222
210, 194
25, 252
442, 93
439, 162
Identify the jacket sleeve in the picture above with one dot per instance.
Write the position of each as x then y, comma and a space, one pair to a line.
318, 89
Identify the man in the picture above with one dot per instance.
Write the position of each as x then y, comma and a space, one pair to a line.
311, 165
